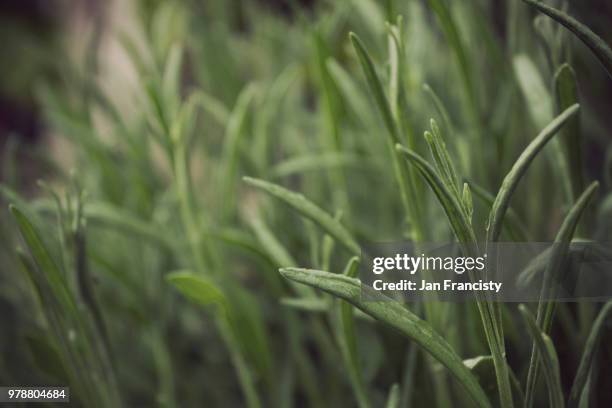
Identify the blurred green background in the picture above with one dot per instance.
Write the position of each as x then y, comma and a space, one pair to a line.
94, 96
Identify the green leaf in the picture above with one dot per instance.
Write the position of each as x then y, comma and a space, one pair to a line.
464, 232
484, 369
319, 162
442, 160
352, 95
439, 107
102, 213
405, 178
540, 107
271, 244
451, 32
276, 251
474, 363
512, 222
240, 320
601, 50
140, 59
240, 324
395, 315
267, 112
396, 59
466, 200
539, 263
312, 304
171, 80
248, 328
548, 356
502, 200
44, 261
559, 255
309, 210
375, 87
197, 289
82, 351
582, 374
31, 210
241, 239
348, 340
235, 131
453, 209
157, 115
330, 100
408, 375
536, 93
536, 265
47, 357
371, 14
393, 399
566, 90
546, 308
215, 108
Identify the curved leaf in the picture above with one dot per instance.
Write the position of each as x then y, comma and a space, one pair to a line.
439, 152
601, 50
566, 92
375, 87
277, 252
396, 316
512, 223
352, 95
45, 262
393, 400
502, 200
234, 134
404, 176
587, 356
197, 289
309, 210
451, 32
318, 161
559, 254
452, 208
548, 356
546, 309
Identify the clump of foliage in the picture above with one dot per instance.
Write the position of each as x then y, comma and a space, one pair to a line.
257, 143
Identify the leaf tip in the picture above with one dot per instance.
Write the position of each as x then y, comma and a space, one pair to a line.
593, 187
574, 108
14, 210
249, 180
289, 273
355, 40
564, 67
175, 276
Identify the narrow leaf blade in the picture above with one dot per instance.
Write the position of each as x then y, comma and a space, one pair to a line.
548, 357
309, 210
196, 288
502, 200
587, 356
601, 50
396, 316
